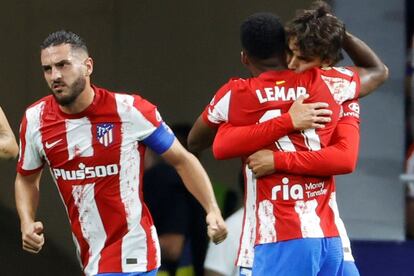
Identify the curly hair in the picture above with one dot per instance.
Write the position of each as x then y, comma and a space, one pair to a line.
262, 35
317, 33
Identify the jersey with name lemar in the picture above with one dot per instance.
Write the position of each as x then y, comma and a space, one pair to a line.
96, 159
286, 206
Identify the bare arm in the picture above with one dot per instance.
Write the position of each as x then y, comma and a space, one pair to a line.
201, 136
197, 182
8, 145
371, 69
27, 198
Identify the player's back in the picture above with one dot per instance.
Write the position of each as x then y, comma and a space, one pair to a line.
292, 206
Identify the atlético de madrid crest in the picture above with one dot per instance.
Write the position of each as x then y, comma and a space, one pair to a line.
104, 133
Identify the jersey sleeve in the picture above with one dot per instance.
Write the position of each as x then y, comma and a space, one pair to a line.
343, 83
340, 157
30, 160
235, 141
217, 111
151, 129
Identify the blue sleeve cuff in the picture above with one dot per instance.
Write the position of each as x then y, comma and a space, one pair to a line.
160, 140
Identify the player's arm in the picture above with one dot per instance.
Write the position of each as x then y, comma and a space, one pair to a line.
197, 182
372, 71
27, 198
8, 145
201, 135
232, 141
338, 158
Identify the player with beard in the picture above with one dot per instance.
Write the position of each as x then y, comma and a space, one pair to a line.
94, 142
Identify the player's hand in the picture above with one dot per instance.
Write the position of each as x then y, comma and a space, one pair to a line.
310, 115
261, 163
216, 227
32, 236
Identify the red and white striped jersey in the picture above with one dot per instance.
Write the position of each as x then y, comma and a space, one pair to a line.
285, 206
96, 159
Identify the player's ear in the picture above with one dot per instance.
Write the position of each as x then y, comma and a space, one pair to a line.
89, 66
243, 58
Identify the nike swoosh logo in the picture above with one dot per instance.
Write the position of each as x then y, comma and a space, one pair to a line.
51, 145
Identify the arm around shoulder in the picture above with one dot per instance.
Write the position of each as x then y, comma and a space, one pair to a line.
372, 71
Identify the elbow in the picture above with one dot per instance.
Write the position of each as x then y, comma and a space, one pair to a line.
384, 73
349, 165
10, 150
193, 147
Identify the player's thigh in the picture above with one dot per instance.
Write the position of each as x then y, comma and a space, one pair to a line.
300, 257
350, 269
332, 259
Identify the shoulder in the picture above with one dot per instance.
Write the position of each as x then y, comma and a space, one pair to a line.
339, 72
342, 82
35, 110
133, 101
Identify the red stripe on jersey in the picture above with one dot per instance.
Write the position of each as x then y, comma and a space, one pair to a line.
108, 196
146, 220
77, 231
148, 110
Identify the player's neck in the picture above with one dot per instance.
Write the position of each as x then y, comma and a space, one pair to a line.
82, 102
257, 70
270, 64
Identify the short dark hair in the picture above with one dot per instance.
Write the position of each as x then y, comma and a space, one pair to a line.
262, 36
64, 37
318, 34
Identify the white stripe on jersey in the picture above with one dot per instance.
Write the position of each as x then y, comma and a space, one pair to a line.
247, 240
309, 219
340, 88
346, 243
91, 225
129, 189
133, 118
79, 137
220, 112
312, 140
33, 138
284, 143
267, 222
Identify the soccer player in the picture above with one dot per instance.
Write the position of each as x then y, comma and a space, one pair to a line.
253, 142
94, 142
8, 145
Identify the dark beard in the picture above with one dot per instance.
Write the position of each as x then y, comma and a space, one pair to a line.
75, 90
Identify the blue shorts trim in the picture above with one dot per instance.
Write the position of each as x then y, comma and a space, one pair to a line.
147, 273
245, 271
310, 257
